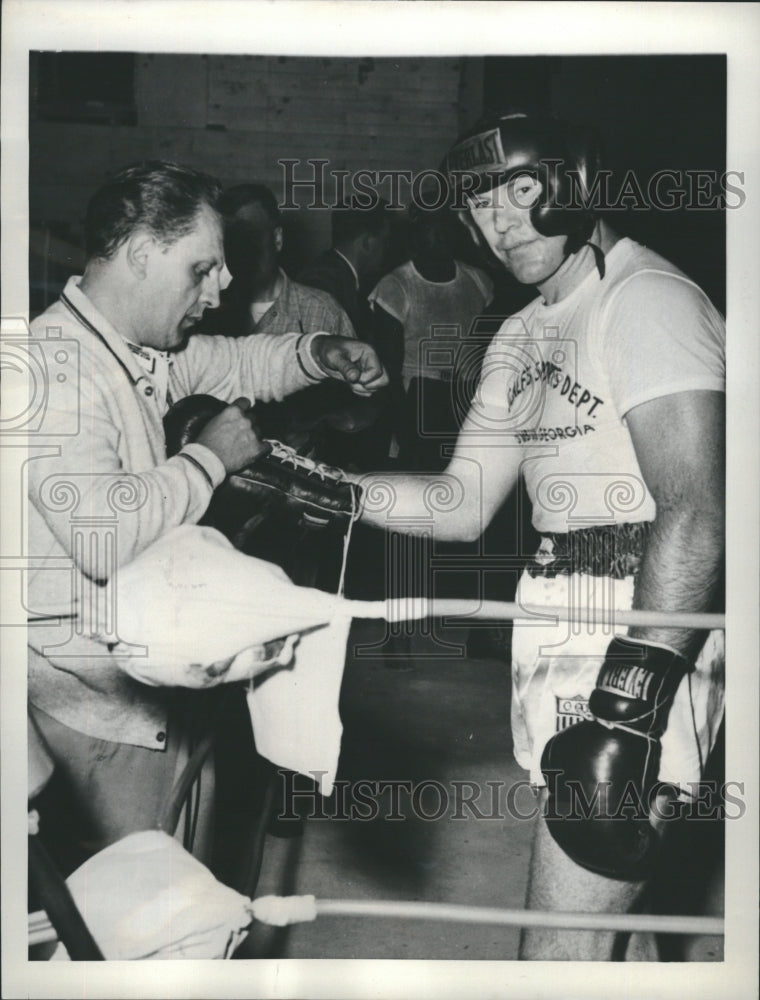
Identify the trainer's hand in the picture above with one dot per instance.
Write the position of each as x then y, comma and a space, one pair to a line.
350, 361
231, 436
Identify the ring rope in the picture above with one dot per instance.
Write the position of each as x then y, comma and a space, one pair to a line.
413, 608
281, 911
401, 609
657, 923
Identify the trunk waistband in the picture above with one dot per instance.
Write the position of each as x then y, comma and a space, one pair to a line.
613, 550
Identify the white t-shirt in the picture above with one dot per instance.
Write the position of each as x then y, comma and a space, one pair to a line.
558, 380
436, 315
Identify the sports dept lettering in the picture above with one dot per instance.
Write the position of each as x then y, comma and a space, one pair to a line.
552, 375
570, 711
536, 374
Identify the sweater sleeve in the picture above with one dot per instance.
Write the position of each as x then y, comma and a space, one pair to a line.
80, 489
343, 325
262, 366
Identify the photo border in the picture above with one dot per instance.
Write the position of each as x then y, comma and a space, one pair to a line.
350, 28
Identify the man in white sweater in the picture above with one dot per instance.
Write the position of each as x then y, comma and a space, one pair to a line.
104, 490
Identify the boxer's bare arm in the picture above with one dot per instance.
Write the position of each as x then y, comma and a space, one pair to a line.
680, 445
460, 502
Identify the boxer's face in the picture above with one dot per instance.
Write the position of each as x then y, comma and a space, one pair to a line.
181, 282
503, 217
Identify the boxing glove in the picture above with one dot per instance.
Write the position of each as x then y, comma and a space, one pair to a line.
278, 481
602, 773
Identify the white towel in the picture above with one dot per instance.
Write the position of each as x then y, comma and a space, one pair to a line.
191, 599
294, 713
146, 897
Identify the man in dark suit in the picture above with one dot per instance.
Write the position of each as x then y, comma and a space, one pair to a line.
360, 248
360, 434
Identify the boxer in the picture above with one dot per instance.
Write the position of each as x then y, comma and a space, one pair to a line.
606, 394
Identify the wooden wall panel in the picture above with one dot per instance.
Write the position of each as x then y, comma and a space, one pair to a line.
237, 116
172, 90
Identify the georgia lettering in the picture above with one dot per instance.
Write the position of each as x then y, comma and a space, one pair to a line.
552, 433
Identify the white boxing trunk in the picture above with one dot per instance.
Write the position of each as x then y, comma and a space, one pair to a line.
555, 666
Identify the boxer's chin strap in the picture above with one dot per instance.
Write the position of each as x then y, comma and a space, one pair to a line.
598, 257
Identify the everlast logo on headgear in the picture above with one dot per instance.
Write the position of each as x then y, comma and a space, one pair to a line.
478, 153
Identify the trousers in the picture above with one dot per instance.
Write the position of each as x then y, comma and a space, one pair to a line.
101, 790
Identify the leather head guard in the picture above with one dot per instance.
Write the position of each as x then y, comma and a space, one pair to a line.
563, 158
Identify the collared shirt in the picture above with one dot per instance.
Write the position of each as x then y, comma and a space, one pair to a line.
301, 309
157, 364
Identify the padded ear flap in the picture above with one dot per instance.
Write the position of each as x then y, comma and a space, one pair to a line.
568, 168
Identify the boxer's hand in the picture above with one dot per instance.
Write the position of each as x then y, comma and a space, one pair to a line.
350, 361
231, 436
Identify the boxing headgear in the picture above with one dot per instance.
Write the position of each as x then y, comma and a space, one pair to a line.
562, 158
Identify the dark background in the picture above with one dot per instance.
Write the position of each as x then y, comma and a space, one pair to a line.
236, 116
653, 113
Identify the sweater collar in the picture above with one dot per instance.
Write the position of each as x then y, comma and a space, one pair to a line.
93, 320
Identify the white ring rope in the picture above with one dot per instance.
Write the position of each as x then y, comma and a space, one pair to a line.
282, 911
403, 609
455, 912
413, 608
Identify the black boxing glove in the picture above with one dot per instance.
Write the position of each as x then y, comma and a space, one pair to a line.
278, 480
602, 773
187, 418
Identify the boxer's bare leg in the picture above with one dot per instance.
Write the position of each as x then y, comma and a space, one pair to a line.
556, 883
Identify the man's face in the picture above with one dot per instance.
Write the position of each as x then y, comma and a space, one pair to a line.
181, 282
503, 217
252, 243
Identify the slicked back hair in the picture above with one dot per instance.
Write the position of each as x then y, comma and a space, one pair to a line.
157, 196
